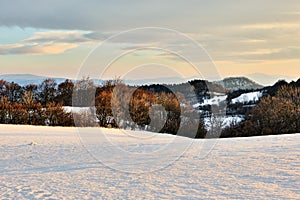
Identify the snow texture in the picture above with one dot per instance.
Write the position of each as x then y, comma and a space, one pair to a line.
225, 121
59, 166
247, 97
213, 101
75, 109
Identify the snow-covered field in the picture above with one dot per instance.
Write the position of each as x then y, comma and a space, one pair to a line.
71, 163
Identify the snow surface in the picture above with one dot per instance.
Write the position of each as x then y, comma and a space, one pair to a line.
213, 101
247, 97
225, 121
64, 165
75, 109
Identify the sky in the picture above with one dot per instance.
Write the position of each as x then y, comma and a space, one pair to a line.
236, 38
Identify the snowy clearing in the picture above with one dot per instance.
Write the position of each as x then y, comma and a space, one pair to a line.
246, 98
226, 121
213, 101
54, 163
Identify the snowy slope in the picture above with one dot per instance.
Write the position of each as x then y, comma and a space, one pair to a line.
247, 97
225, 121
213, 101
55, 163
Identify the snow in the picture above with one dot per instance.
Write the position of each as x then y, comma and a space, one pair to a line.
94, 163
225, 121
213, 101
75, 109
247, 97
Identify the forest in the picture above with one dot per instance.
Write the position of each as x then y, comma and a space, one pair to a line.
157, 108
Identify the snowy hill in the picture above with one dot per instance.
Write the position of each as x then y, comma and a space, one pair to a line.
64, 164
247, 97
239, 83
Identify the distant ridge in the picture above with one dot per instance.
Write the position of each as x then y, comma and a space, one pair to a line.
25, 79
238, 83
9, 77
233, 83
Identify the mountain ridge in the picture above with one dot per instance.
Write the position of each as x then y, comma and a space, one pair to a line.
230, 83
238, 83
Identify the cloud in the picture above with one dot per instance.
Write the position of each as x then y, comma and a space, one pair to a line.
271, 25
117, 15
252, 42
260, 52
292, 13
51, 42
229, 30
35, 49
289, 53
58, 37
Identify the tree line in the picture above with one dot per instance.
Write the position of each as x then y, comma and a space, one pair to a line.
277, 113
158, 108
35, 104
43, 104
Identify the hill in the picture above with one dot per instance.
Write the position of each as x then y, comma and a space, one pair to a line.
132, 165
238, 83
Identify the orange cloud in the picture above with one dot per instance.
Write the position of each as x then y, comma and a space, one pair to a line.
52, 42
